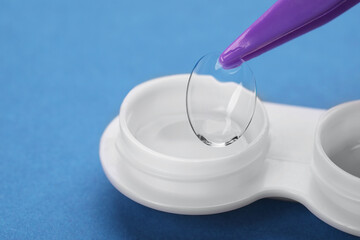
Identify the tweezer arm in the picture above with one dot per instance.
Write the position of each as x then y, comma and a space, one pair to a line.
283, 21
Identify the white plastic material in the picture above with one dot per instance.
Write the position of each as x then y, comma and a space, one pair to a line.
151, 155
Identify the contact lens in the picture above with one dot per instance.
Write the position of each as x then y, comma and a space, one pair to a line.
220, 103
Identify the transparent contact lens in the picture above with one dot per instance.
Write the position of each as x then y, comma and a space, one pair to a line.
220, 103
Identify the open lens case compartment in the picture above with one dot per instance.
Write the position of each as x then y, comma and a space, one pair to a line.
150, 154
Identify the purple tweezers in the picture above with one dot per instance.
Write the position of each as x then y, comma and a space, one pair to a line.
283, 21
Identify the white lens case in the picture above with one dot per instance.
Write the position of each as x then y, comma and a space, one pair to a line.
150, 154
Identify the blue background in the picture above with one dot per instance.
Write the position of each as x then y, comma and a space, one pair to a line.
65, 67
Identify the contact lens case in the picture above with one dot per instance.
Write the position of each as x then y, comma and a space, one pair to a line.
150, 154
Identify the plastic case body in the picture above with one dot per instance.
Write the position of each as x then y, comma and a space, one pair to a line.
151, 155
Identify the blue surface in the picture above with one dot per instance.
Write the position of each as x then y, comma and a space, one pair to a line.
65, 67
